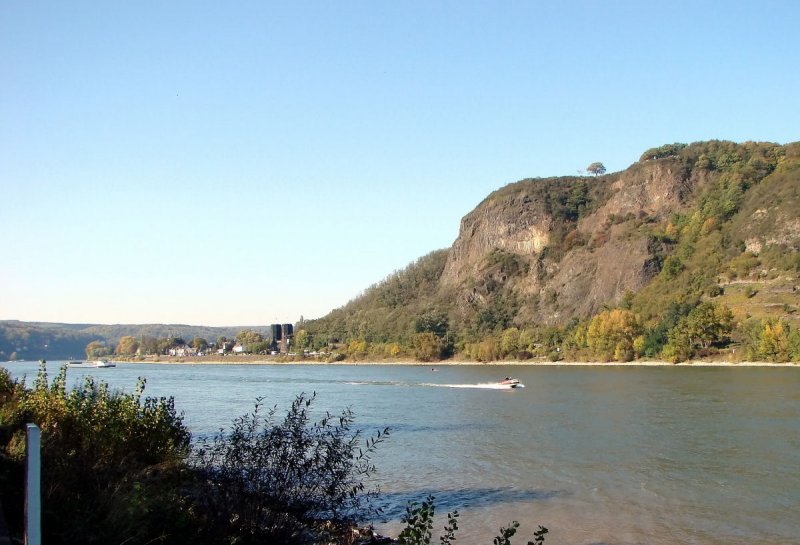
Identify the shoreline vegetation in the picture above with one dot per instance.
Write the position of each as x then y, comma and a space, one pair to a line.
261, 360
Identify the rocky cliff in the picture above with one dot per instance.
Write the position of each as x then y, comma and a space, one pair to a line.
579, 257
583, 243
676, 226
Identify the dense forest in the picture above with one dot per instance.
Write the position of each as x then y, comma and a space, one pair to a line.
690, 252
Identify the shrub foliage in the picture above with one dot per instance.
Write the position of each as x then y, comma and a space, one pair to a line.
119, 468
109, 459
293, 481
418, 530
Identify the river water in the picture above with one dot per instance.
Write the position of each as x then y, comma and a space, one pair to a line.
599, 455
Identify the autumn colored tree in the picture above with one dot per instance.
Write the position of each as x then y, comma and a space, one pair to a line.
391, 350
488, 350
611, 334
774, 342
427, 346
127, 346
357, 348
97, 349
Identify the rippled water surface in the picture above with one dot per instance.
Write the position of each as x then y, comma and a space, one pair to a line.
634, 455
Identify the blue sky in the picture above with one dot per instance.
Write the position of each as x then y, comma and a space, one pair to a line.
241, 163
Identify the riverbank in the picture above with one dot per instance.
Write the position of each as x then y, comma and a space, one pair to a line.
261, 360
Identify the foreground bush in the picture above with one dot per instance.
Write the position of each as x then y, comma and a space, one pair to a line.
419, 527
119, 469
293, 481
110, 461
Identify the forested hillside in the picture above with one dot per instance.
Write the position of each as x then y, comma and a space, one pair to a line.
690, 252
38, 340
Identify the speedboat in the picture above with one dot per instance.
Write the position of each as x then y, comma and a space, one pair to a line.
103, 363
511, 383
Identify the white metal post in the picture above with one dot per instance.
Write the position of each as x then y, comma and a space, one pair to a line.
33, 496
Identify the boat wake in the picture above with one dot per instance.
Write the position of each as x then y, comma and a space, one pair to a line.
481, 386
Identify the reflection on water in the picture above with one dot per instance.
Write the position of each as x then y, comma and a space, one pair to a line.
598, 455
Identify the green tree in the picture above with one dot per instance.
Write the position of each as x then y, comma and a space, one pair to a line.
432, 322
794, 345
148, 345
577, 200
672, 267
657, 337
666, 150
248, 336
199, 344
509, 341
709, 323
596, 168
259, 348
302, 339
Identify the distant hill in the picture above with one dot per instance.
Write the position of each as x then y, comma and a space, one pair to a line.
37, 340
710, 221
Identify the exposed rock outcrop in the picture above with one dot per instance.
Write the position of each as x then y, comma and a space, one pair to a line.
547, 251
609, 259
516, 223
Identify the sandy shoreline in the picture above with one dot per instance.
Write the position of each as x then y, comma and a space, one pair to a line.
248, 361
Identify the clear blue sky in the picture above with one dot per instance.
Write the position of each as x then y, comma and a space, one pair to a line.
239, 163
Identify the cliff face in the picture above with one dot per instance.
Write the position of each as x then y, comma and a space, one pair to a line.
685, 223
771, 214
601, 256
654, 189
586, 279
517, 224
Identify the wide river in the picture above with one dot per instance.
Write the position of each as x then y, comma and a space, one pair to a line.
599, 455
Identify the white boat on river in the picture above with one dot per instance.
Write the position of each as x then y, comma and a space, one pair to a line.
101, 363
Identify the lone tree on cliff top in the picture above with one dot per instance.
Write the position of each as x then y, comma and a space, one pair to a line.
596, 168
